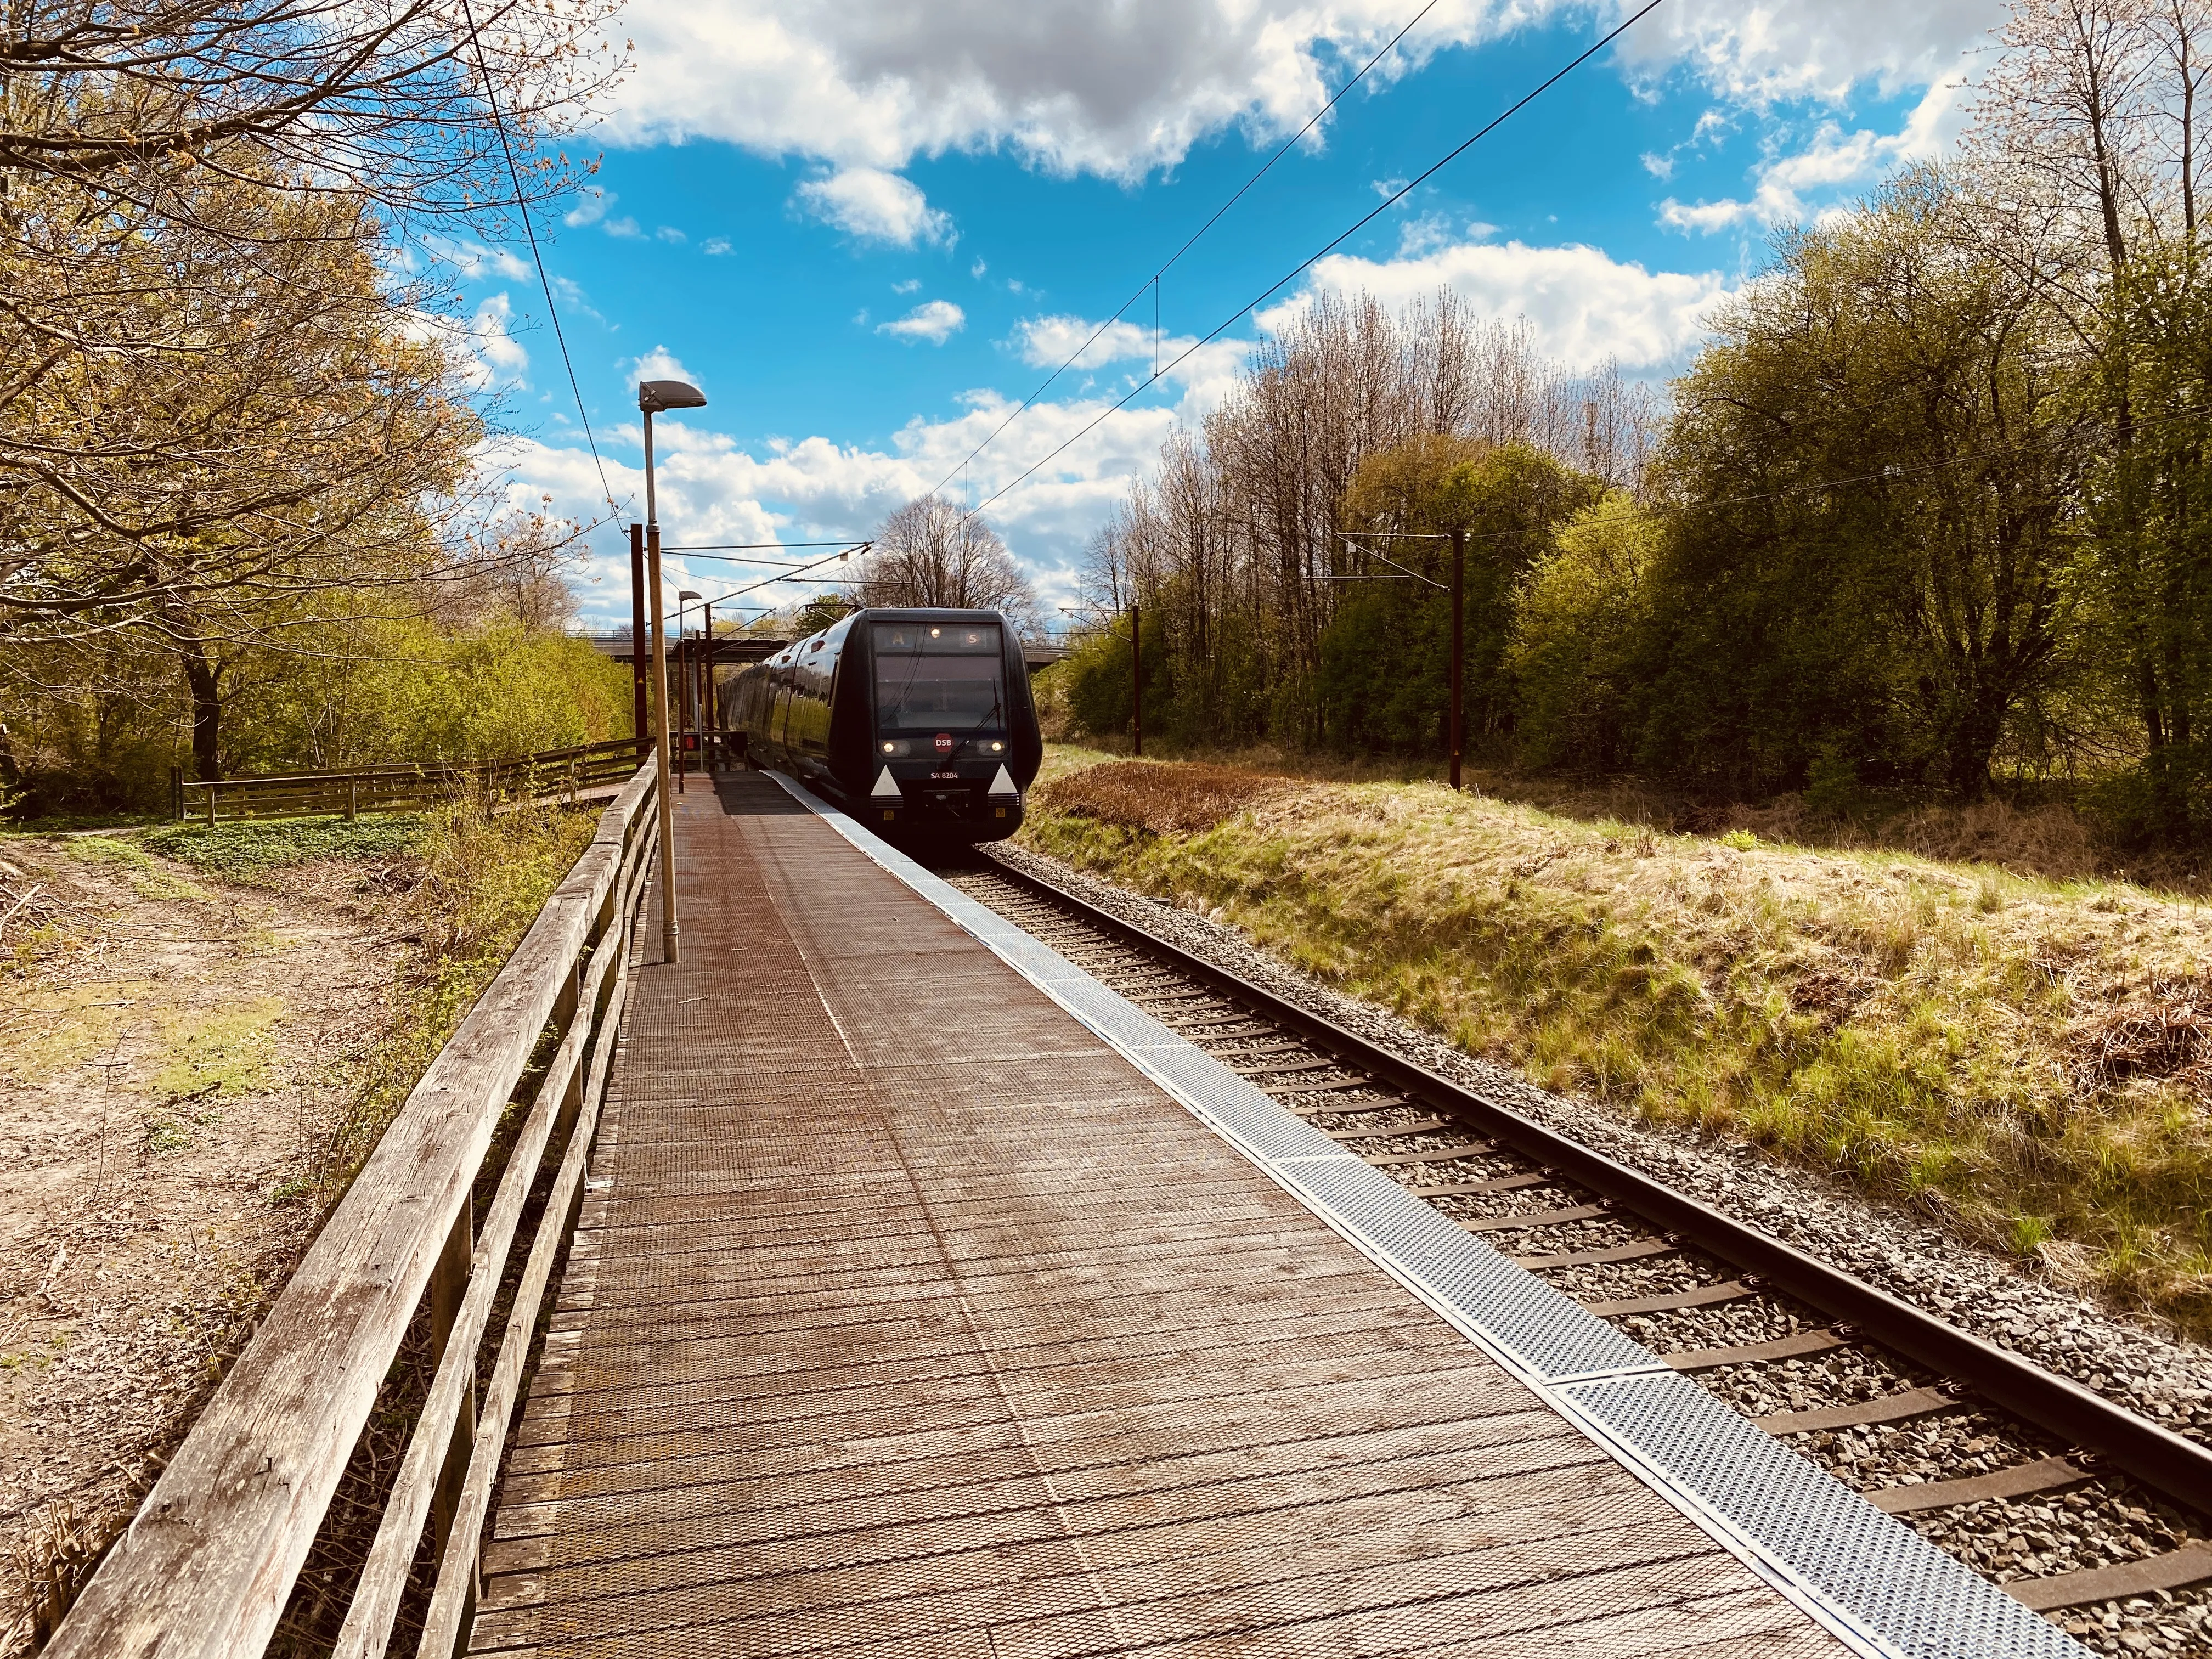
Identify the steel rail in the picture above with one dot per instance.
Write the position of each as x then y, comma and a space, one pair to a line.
2169, 1462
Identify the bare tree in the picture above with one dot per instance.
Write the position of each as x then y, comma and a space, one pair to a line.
129, 103
221, 427
1235, 542
931, 553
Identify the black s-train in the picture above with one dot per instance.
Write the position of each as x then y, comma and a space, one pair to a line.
918, 723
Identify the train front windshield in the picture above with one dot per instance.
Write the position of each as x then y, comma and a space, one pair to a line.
939, 676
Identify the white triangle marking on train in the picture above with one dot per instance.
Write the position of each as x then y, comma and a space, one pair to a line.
1003, 785
888, 786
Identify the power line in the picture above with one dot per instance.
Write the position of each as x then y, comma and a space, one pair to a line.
849, 547
734, 547
514, 174
1152, 282
1314, 258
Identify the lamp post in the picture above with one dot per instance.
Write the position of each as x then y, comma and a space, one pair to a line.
640, 716
653, 396
687, 708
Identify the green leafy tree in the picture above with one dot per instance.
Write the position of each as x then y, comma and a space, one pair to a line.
2146, 573
1877, 467
1582, 607
1386, 657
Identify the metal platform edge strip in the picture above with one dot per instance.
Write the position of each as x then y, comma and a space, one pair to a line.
1865, 1577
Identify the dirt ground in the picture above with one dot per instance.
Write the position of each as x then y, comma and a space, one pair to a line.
171, 1048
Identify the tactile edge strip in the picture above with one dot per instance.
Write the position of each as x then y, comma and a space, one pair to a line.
1865, 1577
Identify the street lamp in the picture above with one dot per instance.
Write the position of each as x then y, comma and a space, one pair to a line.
688, 711
653, 397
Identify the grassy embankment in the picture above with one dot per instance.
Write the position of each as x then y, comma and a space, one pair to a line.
2027, 1059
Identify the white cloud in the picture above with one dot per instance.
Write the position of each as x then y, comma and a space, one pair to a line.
876, 206
670, 234
977, 270
591, 209
1792, 188
715, 244
1583, 304
483, 347
591, 205
1047, 342
1760, 52
907, 286
495, 343
710, 490
933, 320
1197, 376
657, 364
473, 260
1071, 86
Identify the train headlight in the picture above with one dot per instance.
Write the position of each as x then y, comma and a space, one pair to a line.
895, 746
991, 745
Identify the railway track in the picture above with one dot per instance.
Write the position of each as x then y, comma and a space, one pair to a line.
2078, 1508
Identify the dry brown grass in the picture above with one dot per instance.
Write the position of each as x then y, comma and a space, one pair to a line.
2046, 838
2023, 1057
1160, 798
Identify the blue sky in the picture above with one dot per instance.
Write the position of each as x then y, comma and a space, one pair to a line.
866, 228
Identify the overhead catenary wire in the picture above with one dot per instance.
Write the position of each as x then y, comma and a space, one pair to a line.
537, 256
736, 547
1322, 253
1152, 282
848, 548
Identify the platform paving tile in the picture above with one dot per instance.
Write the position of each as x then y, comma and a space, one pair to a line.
904, 1316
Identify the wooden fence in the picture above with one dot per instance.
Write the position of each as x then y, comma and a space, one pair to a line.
388, 788
209, 1563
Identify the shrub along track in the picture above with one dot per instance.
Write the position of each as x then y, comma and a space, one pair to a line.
2076, 1506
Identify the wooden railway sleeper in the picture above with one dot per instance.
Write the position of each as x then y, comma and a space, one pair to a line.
1355, 1108
1427, 1126
1522, 1219
1672, 1301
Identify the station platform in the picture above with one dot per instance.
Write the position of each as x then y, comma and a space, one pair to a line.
909, 1314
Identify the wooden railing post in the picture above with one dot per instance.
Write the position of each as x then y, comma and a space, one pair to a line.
449, 1283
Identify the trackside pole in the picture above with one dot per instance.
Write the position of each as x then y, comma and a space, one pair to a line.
1458, 650
670, 951
1137, 679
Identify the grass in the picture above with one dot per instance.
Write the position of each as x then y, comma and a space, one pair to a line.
2026, 1059
243, 849
484, 880
148, 879
217, 1053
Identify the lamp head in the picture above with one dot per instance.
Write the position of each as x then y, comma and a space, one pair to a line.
655, 396
684, 596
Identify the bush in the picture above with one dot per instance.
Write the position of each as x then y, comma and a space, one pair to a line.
1581, 607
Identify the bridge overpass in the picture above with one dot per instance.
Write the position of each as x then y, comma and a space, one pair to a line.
734, 648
